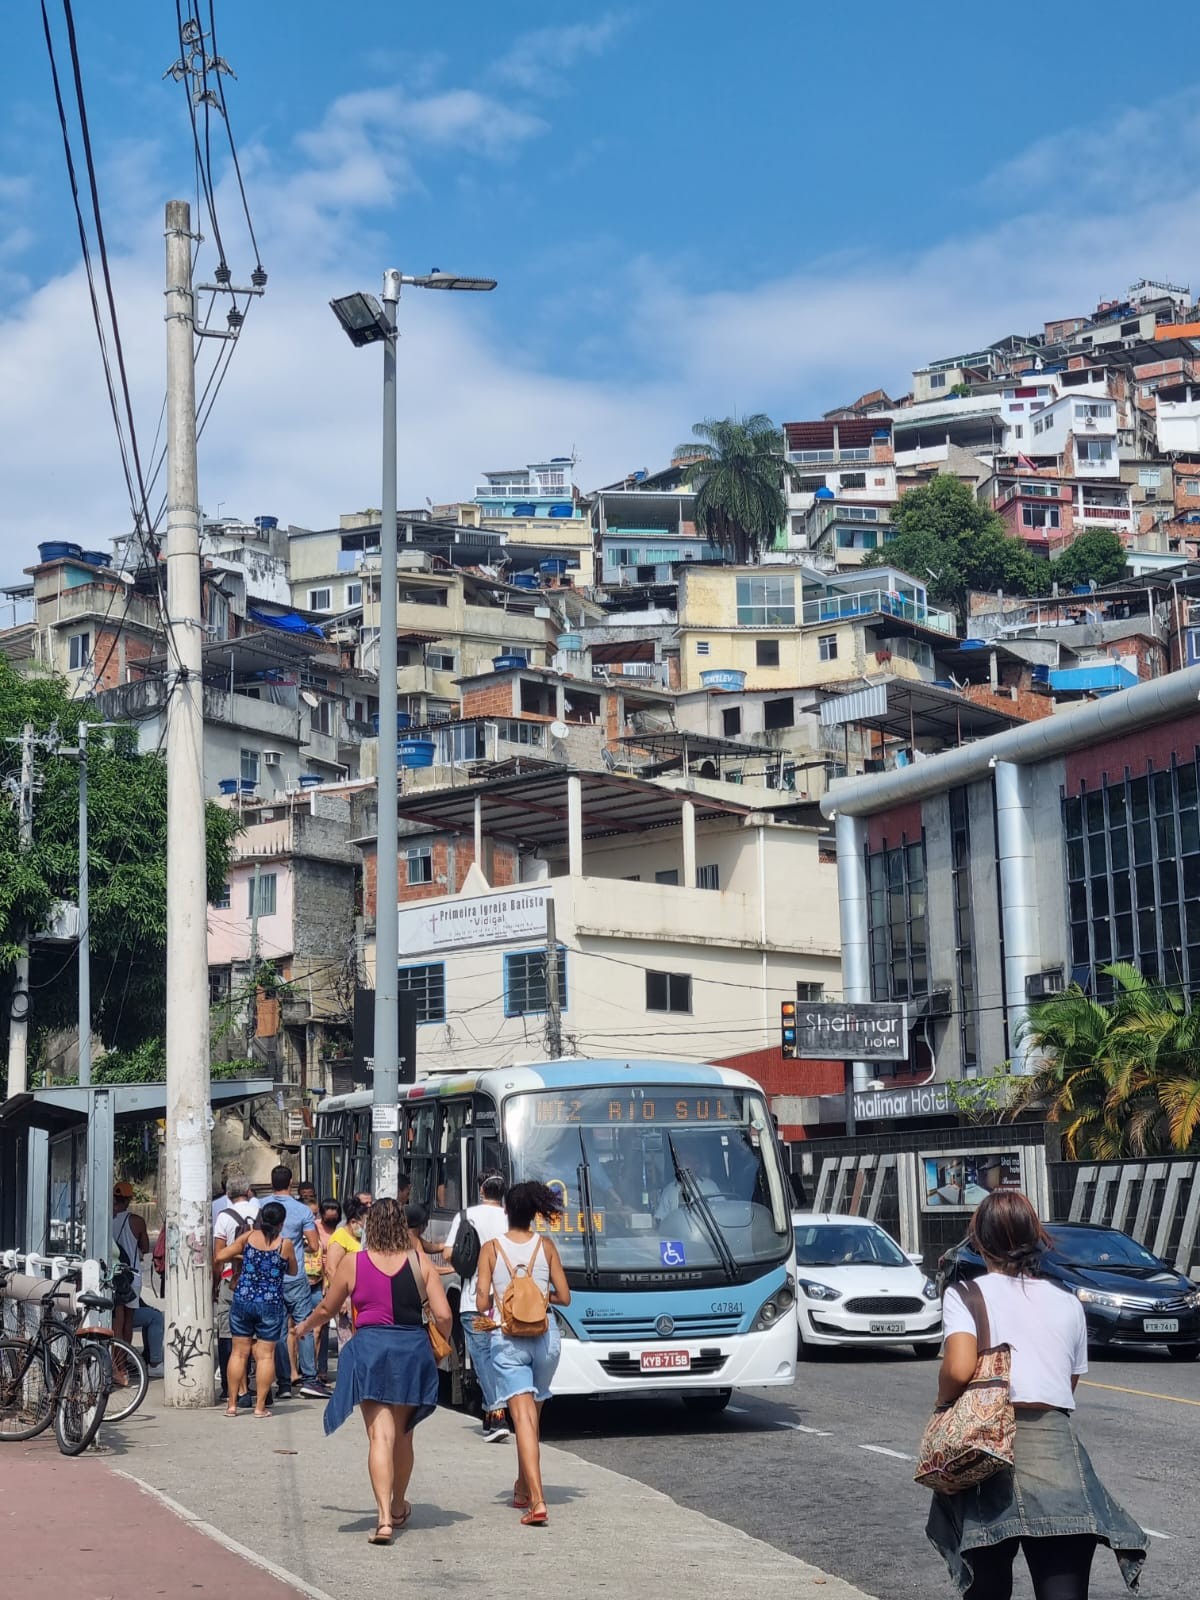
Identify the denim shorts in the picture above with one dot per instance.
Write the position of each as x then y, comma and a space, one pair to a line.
525, 1366
265, 1323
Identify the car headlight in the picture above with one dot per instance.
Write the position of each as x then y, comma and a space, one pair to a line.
775, 1307
930, 1290
1093, 1297
1192, 1300
819, 1291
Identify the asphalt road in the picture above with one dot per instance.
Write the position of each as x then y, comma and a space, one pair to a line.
823, 1470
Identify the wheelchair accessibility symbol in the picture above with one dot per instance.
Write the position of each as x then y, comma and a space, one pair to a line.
671, 1251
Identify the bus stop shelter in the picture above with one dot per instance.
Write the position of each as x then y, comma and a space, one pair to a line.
56, 1158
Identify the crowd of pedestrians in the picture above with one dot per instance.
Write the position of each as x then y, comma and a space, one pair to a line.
290, 1268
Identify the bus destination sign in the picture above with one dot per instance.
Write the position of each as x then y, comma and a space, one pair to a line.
615, 1110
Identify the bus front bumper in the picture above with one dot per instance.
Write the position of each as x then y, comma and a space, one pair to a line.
735, 1361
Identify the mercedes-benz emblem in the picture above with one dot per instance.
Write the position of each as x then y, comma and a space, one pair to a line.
664, 1327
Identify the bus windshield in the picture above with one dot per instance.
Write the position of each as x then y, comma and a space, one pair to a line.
631, 1139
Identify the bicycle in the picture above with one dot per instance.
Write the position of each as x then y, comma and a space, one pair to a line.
55, 1377
130, 1375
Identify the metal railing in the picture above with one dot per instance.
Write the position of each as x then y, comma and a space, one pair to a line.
889, 602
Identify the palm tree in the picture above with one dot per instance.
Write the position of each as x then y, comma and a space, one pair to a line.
1123, 1075
740, 467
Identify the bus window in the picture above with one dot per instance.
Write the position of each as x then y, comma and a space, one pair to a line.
448, 1191
422, 1126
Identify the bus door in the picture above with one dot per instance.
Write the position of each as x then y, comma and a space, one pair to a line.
324, 1167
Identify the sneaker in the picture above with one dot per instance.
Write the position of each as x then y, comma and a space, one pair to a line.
154, 1370
495, 1428
311, 1389
284, 1392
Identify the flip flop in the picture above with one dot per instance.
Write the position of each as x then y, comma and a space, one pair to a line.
233, 1414
535, 1519
398, 1522
379, 1537
260, 1414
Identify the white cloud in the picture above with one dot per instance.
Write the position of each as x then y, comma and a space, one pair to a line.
296, 429
536, 56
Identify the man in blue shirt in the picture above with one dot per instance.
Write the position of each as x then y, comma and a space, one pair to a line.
300, 1226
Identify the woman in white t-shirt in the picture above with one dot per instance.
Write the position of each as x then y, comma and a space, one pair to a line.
1051, 1506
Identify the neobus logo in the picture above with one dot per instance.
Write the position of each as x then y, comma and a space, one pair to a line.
658, 1277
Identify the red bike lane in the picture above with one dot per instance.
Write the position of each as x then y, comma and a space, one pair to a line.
77, 1527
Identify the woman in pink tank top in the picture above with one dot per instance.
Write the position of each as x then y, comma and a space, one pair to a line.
388, 1368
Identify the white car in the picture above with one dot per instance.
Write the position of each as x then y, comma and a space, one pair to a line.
855, 1286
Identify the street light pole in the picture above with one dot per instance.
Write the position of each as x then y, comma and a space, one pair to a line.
385, 1157
365, 321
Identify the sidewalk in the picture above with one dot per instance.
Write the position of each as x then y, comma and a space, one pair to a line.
299, 1506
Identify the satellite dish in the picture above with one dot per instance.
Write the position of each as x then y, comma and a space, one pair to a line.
309, 698
559, 730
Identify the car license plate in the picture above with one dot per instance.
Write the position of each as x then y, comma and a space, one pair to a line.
887, 1327
1161, 1325
666, 1360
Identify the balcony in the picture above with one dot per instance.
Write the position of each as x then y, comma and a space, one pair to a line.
841, 608
1097, 513
830, 458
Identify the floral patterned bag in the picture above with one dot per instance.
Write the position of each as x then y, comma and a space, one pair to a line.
973, 1437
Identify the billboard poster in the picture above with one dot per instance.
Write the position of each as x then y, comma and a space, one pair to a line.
957, 1180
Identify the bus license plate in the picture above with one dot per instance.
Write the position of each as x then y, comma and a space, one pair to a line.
887, 1327
1161, 1325
666, 1360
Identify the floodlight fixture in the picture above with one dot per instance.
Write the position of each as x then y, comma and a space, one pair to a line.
362, 317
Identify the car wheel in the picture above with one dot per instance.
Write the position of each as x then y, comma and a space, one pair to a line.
1183, 1352
927, 1350
806, 1351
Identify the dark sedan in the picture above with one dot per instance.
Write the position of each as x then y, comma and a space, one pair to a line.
1129, 1297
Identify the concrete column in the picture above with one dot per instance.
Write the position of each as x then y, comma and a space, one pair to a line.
851, 835
478, 834
689, 844
575, 827
1018, 897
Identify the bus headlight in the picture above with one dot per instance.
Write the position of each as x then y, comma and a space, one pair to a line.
779, 1304
566, 1331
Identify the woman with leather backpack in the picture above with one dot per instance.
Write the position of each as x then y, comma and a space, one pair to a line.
1048, 1503
521, 1272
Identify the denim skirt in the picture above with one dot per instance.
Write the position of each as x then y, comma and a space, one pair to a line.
1051, 1490
394, 1366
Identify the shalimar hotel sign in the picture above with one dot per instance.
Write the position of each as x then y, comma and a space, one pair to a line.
456, 924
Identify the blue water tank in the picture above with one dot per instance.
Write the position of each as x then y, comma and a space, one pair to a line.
508, 663
415, 752
310, 780
228, 785
264, 524
570, 641
55, 550
403, 720
552, 569
525, 580
96, 558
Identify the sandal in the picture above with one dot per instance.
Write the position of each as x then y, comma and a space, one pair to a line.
399, 1520
535, 1518
259, 1414
520, 1499
379, 1536
231, 1411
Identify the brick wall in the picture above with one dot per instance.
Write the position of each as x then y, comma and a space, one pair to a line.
890, 828
453, 857
490, 699
1014, 702
1149, 750
793, 1078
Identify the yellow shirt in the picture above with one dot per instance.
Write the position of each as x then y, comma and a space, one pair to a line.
342, 1235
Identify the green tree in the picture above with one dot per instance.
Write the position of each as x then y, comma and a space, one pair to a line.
127, 817
741, 471
1122, 1076
1096, 555
946, 539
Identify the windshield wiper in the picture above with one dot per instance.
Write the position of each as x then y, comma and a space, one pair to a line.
693, 1196
591, 1255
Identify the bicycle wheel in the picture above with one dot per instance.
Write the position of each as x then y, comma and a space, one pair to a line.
26, 1402
127, 1363
81, 1403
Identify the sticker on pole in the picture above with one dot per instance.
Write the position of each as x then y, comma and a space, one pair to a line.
672, 1253
385, 1119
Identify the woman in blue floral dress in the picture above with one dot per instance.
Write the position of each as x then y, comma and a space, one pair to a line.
258, 1313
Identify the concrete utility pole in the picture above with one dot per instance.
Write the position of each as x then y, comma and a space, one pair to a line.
18, 1025
385, 1157
85, 943
189, 1314
553, 1006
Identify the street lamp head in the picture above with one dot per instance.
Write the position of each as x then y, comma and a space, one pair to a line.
437, 279
362, 317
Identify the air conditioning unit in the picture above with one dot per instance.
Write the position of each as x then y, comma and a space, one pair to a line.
272, 758
1040, 985
939, 1003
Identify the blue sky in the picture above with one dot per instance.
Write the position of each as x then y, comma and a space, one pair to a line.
691, 209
